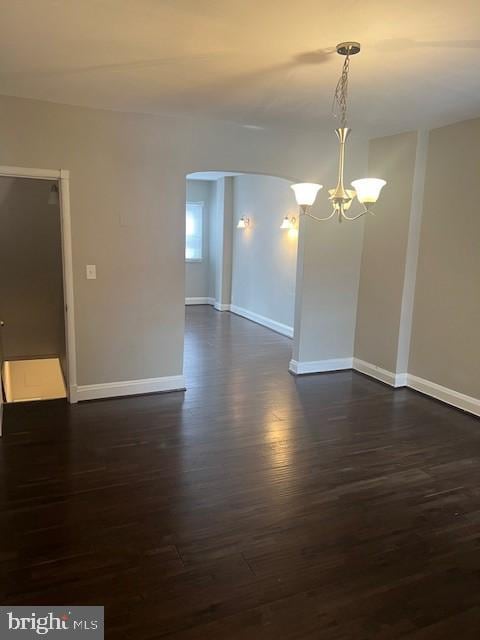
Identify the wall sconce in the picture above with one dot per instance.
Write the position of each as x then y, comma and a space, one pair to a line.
243, 223
288, 222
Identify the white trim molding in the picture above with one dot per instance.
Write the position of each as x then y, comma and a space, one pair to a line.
388, 377
456, 399
411, 256
432, 389
319, 366
220, 306
67, 259
130, 388
29, 172
199, 300
283, 329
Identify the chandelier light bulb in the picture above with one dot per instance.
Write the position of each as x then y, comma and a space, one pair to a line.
305, 192
368, 189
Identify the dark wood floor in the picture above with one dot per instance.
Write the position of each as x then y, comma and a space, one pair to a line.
254, 506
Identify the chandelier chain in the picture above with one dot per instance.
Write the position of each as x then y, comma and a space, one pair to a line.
339, 107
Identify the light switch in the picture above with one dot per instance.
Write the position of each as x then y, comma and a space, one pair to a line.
91, 271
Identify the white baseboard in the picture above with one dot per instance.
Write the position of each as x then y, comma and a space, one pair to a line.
388, 377
456, 399
449, 396
190, 301
211, 301
319, 366
129, 387
220, 306
401, 380
72, 394
284, 329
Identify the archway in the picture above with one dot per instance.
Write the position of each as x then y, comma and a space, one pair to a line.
241, 259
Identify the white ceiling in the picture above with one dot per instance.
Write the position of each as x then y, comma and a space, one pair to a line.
210, 175
256, 63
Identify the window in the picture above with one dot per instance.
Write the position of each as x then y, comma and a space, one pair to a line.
194, 231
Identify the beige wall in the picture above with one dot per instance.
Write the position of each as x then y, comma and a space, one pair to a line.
419, 298
127, 175
384, 254
327, 288
31, 282
445, 346
328, 269
264, 256
127, 182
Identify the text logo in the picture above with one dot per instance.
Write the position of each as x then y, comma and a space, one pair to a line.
53, 622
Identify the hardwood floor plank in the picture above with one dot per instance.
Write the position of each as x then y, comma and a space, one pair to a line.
254, 505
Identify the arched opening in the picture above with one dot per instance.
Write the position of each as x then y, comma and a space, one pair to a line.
241, 239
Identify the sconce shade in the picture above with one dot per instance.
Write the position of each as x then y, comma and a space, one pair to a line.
368, 189
286, 224
243, 223
305, 192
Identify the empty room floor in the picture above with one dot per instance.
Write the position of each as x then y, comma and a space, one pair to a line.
254, 506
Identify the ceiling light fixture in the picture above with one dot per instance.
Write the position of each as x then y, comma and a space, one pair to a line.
367, 190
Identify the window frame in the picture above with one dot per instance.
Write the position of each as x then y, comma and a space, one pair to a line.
201, 203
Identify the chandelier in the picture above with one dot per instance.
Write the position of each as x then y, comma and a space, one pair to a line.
367, 190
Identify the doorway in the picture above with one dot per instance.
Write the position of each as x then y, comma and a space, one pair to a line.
36, 286
241, 258
241, 246
32, 324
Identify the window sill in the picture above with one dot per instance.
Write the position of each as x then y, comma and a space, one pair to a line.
193, 260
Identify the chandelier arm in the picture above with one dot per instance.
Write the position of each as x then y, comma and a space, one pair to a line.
362, 213
320, 219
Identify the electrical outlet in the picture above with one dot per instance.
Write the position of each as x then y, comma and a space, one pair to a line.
91, 271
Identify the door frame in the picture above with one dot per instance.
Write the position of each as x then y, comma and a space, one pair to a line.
63, 178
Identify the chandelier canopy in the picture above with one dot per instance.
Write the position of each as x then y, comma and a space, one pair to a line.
367, 190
